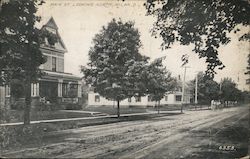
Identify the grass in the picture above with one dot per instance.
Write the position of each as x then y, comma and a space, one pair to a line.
112, 110
11, 116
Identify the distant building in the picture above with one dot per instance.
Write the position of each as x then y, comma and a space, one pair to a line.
55, 86
170, 98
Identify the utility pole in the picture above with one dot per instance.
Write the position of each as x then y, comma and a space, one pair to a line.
183, 88
196, 89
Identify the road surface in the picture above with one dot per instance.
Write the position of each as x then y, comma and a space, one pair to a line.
177, 136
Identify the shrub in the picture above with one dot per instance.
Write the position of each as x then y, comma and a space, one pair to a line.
71, 106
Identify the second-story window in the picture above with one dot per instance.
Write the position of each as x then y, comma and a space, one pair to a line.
54, 64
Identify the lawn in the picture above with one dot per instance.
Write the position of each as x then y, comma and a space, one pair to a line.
10, 116
112, 110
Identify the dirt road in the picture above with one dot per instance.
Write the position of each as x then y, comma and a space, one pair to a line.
189, 135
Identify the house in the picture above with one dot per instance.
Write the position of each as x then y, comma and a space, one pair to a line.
170, 98
55, 86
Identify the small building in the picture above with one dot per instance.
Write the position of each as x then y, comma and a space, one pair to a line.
170, 98
55, 86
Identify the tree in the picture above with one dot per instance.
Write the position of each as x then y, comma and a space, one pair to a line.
158, 81
204, 23
229, 91
115, 52
208, 89
20, 40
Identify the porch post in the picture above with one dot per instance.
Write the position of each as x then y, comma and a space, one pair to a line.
60, 81
7, 97
79, 89
2, 97
37, 89
32, 90
7, 91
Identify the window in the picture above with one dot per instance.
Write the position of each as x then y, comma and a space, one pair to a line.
129, 100
97, 98
149, 98
137, 99
54, 64
65, 90
166, 98
178, 98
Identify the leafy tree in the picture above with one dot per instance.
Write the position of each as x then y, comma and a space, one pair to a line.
245, 97
207, 89
229, 91
151, 79
204, 23
20, 56
158, 81
16, 88
114, 54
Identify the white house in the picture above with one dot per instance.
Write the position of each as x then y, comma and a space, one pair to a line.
171, 98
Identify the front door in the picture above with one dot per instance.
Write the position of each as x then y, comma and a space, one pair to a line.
49, 90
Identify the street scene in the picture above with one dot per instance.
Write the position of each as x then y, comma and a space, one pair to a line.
124, 79
195, 134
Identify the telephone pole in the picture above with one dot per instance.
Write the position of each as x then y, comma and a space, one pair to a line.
196, 89
183, 88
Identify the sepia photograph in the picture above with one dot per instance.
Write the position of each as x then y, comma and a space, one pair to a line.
128, 79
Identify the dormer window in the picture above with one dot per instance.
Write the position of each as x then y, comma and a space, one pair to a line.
46, 41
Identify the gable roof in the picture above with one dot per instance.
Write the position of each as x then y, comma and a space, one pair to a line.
52, 24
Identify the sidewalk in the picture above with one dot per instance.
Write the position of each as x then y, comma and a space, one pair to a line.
75, 119
79, 111
93, 113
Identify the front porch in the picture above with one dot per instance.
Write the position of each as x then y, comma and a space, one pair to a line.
57, 88
52, 89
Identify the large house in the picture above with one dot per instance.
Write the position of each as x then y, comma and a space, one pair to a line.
55, 86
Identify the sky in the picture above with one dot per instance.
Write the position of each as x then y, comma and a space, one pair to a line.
79, 20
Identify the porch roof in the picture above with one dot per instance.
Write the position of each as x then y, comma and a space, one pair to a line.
59, 75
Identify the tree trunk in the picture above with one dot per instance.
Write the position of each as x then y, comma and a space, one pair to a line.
118, 108
181, 107
26, 114
158, 107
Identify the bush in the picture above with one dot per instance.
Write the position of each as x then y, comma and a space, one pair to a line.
14, 136
70, 106
49, 107
4, 116
19, 104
